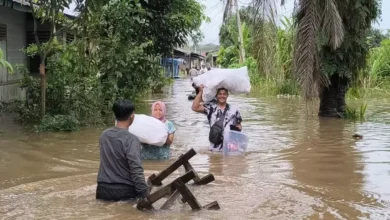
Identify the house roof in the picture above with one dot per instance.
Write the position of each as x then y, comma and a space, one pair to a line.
182, 51
24, 6
197, 55
192, 54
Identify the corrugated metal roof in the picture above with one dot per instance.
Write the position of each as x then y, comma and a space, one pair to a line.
22, 2
25, 6
182, 50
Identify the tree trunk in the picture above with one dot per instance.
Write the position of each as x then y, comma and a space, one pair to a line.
241, 39
42, 73
332, 99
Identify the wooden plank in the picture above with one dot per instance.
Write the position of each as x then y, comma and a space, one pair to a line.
188, 167
212, 206
149, 182
187, 194
170, 200
166, 190
205, 180
174, 166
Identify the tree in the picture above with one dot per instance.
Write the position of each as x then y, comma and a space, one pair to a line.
229, 6
49, 11
229, 38
375, 37
147, 29
330, 47
131, 36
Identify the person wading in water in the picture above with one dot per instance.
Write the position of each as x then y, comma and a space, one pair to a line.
220, 115
121, 175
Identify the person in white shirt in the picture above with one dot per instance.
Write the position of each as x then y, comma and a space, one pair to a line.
193, 72
203, 69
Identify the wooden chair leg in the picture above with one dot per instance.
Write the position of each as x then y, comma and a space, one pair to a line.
157, 181
187, 195
167, 204
166, 190
212, 206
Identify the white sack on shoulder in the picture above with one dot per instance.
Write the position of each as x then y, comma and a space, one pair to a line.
235, 80
149, 130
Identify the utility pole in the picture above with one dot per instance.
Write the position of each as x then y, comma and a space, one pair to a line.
240, 38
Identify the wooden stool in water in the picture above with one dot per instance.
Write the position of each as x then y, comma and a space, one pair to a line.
178, 186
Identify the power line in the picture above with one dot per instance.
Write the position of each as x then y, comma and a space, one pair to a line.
213, 19
212, 8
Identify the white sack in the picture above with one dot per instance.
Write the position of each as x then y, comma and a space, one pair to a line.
149, 130
235, 80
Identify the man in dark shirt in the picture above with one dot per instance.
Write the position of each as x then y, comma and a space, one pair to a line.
121, 176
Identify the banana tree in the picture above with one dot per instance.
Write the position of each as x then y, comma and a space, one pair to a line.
4, 63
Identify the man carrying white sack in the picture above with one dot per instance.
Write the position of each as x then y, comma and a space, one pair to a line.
121, 175
220, 115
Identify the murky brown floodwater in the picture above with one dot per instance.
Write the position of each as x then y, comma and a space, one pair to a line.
297, 167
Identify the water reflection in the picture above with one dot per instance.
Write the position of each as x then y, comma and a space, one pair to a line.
327, 166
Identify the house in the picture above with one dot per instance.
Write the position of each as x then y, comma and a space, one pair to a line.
211, 58
192, 59
196, 60
184, 59
16, 33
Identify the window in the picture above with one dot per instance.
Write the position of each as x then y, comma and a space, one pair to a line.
3, 32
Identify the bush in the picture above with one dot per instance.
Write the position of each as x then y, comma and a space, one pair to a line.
58, 123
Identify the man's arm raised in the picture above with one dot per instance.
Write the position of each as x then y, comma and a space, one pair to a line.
196, 106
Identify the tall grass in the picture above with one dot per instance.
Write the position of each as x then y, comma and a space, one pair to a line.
270, 56
273, 56
374, 79
356, 114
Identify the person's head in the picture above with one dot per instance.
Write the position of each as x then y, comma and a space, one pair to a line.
124, 111
159, 110
222, 95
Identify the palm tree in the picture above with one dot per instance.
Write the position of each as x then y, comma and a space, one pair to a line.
229, 7
330, 45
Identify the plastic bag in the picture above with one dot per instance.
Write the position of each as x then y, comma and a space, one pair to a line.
235, 80
149, 130
234, 143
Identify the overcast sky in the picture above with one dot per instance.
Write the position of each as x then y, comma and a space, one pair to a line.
214, 10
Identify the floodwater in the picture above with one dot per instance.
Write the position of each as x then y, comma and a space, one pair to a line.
297, 166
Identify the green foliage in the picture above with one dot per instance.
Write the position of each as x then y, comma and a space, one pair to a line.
51, 13
116, 56
159, 26
73, 88
58, 123
28, 110
375, 37
356, 114
374, 79
351, 55
270, 68
379, 60
4, 63
228, 56
160, 82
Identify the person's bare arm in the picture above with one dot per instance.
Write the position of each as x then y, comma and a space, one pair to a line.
196, 104
170, 139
